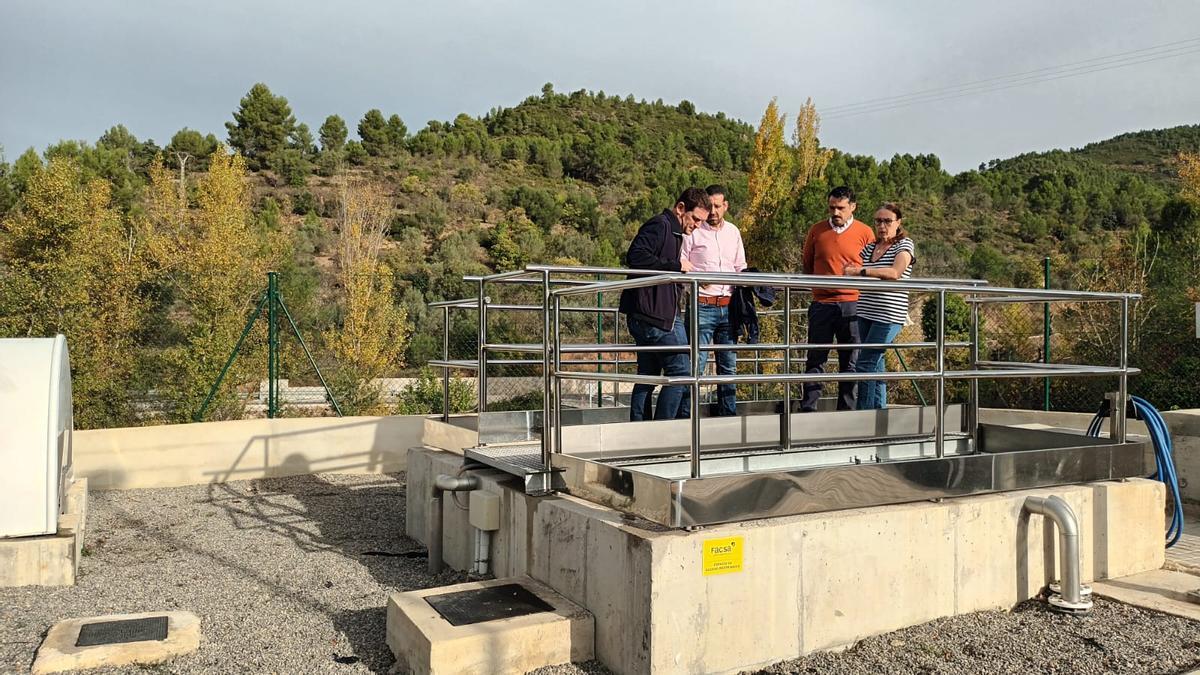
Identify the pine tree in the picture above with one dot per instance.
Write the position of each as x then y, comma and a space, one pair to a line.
373, 130
333, 134
261, 127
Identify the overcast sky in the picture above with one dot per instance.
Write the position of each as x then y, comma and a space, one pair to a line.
73, 69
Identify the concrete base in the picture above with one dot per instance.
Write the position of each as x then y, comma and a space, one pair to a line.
58, 652
1160, 590
666, 601
53, 559
426, 644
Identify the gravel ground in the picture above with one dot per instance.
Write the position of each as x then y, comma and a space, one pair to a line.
290, 575
287, 575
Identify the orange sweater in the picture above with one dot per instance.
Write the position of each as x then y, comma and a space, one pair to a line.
827, 252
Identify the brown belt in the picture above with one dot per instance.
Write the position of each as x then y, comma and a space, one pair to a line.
718, 300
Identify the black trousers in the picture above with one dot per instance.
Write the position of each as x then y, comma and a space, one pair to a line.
826, 321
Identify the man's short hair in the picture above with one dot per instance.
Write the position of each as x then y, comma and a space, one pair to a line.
694, 197
717, 189
842, 192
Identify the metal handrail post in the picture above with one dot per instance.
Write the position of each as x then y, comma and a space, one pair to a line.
599, 338
616, 358
272, 346
446, 371
547, 374
785, 420
972, 416
1046, 334
939, 414
481, 375
557, 411
694, 355
1118, 413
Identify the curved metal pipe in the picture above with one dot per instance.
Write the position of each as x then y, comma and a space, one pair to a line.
433, 533
1059, 511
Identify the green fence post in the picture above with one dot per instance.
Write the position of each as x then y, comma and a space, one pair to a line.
272, 347
1046, 332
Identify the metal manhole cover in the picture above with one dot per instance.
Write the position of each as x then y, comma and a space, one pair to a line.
127, 630
487, 604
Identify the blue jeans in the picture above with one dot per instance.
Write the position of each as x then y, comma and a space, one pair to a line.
715, 328
872, 394
658, 363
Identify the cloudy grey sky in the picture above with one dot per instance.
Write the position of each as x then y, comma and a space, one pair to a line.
71, 69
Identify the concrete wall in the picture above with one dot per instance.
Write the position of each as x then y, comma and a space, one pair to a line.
808, 582
214, 452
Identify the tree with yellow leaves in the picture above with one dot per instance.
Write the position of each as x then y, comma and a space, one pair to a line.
215, 265
1189, 176
769, 182
72, 266
778, 173
374, 329
811, 160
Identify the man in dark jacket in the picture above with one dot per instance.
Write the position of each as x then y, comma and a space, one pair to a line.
652, 312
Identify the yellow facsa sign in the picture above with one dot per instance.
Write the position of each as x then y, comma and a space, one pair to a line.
723, 556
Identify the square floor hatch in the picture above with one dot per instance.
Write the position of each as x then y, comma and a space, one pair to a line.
487, 604
126, 630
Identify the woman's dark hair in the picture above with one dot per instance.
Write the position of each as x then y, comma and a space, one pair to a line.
895, 209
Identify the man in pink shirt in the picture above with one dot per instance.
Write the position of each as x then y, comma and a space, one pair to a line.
716, 246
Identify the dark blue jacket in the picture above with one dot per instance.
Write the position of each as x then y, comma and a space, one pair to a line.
655, 247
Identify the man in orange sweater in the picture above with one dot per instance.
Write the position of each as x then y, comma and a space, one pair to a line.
829, 247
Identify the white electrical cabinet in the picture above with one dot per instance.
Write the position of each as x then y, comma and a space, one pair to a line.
35, 434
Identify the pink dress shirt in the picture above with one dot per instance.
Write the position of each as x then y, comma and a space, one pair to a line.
712, 249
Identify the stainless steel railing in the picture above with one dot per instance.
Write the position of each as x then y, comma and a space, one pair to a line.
557, 290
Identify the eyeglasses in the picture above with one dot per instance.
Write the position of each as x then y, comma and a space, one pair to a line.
884, 221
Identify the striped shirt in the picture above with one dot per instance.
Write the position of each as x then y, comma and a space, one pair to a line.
886, 306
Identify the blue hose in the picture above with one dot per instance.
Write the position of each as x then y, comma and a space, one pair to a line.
1164, 458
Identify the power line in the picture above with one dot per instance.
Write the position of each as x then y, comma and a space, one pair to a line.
950, 94
1167, 47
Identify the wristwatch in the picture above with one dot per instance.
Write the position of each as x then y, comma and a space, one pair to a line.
862, 272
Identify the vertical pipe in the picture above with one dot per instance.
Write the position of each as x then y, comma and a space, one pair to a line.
481, 379
785, 420
547, 377
939, 438
1046, 333
972, 417
556, 410
694, 354
1118, 415
272, 346
445, 371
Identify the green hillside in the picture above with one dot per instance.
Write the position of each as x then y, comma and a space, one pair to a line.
558, 177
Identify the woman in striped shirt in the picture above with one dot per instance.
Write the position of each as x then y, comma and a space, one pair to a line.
881, 313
